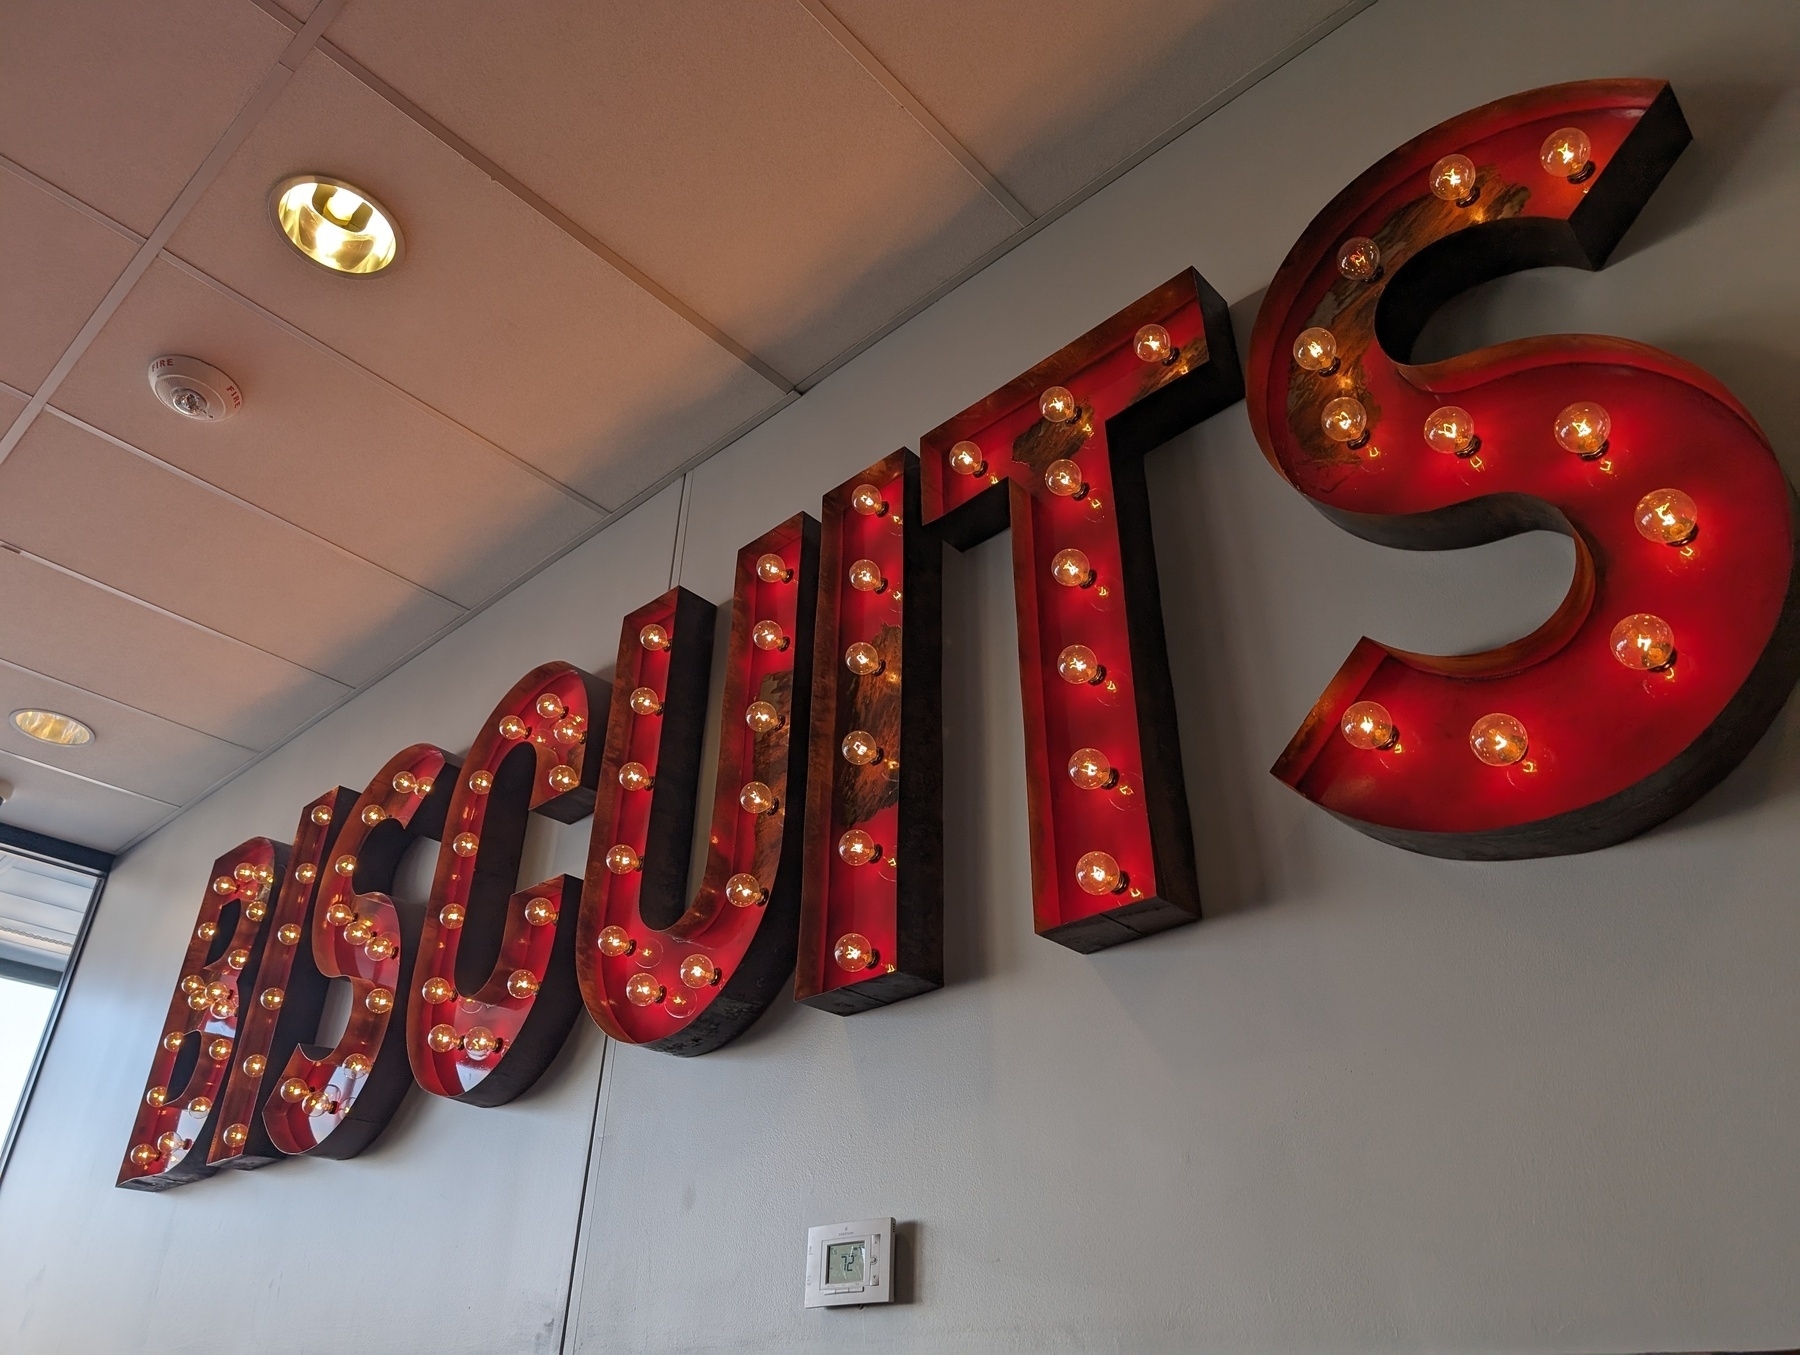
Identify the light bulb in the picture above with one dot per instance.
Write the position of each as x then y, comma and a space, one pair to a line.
142, 1155
1098, 873
244, 871
521, 983
642, 990
1584, 428
168, 1143
858, 848
437, 988
254, 1065
653, 637
1453, 179
1667, 517
207, 930
863, 659
157, 1096
256, 910
359, 931
1367, 725
622, 860
1152, 344
480, 1044
540, 912
698, 971
860, 748
294, 1089
1360, 259
481, 782
1315, 350
1498, 740
219, 1049
223, 885
345, 865
966, 458
866, 577
453, 915
358, 1065
868, 500
768, 635
1078, 666
379, 1000
193, 983
645, 702
1064, 479
425, 785
321, 814
550, 706
306, 872
512, 727
381, 948
236, 1135
636, 776
218, 990
404, 783
1643, 641
443, 1038
465, 844
172, 1041
745, 890
373, 814
1090, 769
200, 1105
320, 1103
772, 568
266, 874
1071, 568
198, 1001
1567, 154
1345, 420
238, 958
756, 798
762, 717
569, 729
340, 913
1451, 429
1058, 405
853, 952
564, 777
614, 942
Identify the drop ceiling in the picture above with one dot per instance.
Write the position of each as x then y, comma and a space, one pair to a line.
632, 232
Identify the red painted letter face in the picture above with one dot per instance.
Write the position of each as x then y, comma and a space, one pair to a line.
1058, 455
1678, 642
179, 1115
656, 968
335, 1105
494, 991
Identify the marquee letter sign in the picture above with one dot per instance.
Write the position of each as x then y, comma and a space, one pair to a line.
1680, 637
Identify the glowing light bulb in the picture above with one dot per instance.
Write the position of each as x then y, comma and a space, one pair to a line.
653, 637
480, 1044
860, 748
157, 1096
636, 776
219, 1050
1451, 429
142, 1155
570, 729
453, 915
358, 1065
1063, 478
238, 958
868, 500
858, 848
1152, 344
564, 777
207, 930
379, 1000
1079, 667
404, 783
512, 727
642, 990
521, 983
306, 872
170, 1142
382, 948
1099, 873
622, 860
1315, 350
763, 717
1367, 725
340, 914
218, 989
193, 983
266, 874
698, 971
254, 1065
550, 706
481, 782
1360, 259
866, 577
345, 865
863, 659
1453, 179
223, 885
756, 798
645, 702
198, 1000
425, 785
200, 1105
768, 635
373, 814
541, 912
1584, 428
465, 844
320, 1103
853, 952
172, 1041
236, 1135
1090, 769
745, 890
1071, 568
614, 942
1643, 641
966, 458
1498, 740
1567, 154
272, 998
437, 988
244, 871
1667, 517
1058, 405
443, 1038
1345, 420
321, 814
256, 910
294, 1089
773, 569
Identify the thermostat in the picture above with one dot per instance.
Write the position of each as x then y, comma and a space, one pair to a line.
849, 1263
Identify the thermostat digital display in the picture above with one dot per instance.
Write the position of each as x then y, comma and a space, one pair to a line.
847, 1263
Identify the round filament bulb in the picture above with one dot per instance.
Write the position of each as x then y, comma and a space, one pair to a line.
1152, 344
1360, 259
437, 989
762, 717
1064, 479
453, 915
1367, 725
512, 727
1567, 154
635, 776
614, 942
564, 777
866, 577
1090, 769
698, 971
521, 983
773, 569
768, 635
744, 890
1058, 405
1072, 569
1453, 179
645, 702
1643, 642
863, 659
540, 912
481, 782
1667, 517
1345, 420
642, 990
1498, 740
853, 952
1583, 428
756, 798
860, 748
1099, 873
621, 859
1079, 666
966, 459
465, 844
550, 706
1315, 350
443, 1038
868, 500
653, 637
1450, 429
857, 847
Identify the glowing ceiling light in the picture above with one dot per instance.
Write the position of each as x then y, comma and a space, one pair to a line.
336, 225
49, 726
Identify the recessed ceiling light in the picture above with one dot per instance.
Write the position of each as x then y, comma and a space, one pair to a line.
335, 224
48, 726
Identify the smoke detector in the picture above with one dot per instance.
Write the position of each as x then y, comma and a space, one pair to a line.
195, 389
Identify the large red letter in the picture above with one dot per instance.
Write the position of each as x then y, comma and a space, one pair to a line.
1680, 638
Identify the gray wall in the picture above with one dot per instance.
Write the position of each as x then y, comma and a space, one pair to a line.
1378, 1103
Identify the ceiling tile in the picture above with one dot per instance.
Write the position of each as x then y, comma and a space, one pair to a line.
133, 750
117, 102
322, 444
55, 265
1053, 95
48, 801
493, 315
729, 148
134, 525
67, 629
